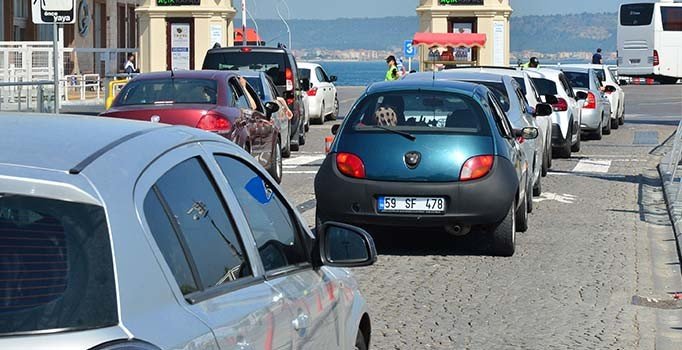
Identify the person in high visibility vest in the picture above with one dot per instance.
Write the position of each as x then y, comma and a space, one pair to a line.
392, 73
533, 63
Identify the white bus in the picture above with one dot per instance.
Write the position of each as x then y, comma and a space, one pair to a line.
650, 41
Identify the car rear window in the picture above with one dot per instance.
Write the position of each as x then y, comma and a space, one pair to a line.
636, 14
499, 91
672, 18
256, 85
416, 111
522, 84
578, 80
545, 86
168, 91
272, 63
56, 270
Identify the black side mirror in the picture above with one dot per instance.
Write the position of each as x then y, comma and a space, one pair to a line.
543, 110
343, 245
333, 78
551, 99
335, 129
528, 133
581, 95
622, 82
610, 89
271, 108
305, 84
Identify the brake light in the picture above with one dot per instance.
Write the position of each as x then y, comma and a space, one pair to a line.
476, 168
591, 101
561, 105
289, 75
215, 123
312, 92
657, 60
246, 49
350, 165
290, 101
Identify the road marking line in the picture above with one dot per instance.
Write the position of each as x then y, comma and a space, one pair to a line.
303, 160
592, 166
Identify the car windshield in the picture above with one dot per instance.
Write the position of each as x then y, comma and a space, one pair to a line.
545, 86
272, 63
636, 14
56, 267
168, 91
499, 91
415, 111
578, 80
257, 85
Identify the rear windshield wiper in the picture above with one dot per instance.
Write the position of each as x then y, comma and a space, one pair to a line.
404, 134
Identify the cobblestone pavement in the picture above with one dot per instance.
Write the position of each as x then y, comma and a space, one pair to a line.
592, 245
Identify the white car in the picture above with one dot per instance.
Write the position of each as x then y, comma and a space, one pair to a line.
556, 90
612, 89
532, 97
322, 101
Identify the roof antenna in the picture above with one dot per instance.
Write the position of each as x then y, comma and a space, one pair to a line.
172, 71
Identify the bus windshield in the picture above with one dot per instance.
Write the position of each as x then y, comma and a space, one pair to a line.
636, 14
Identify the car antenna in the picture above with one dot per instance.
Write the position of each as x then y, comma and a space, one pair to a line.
172, 73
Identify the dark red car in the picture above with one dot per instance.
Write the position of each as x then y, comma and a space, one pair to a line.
214, 101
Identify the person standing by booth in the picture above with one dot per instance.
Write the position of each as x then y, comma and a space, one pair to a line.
392, 73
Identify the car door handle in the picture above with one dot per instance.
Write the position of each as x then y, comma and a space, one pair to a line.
301, 322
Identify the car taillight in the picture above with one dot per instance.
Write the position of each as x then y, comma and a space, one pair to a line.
215, 123
350, 165
289, 75
657, 59
246, 49
290, 101
591, 101
561, 105
312, 92
476, 168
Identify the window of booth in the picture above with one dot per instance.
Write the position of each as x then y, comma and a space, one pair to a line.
466, 55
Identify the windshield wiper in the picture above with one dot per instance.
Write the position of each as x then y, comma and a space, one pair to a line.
404, 134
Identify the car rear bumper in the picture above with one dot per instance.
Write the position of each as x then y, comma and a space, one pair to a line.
480, 202
591, 119
558, 140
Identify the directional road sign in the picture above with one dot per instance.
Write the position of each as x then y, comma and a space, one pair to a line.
409, 50
49, 11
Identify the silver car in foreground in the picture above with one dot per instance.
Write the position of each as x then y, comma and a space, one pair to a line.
129, 235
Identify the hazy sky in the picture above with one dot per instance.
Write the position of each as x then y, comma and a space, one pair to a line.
329, 9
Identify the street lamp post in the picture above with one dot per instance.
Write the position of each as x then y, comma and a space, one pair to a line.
283, 20
243, 22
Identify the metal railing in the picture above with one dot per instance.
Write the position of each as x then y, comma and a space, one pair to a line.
675, 156
21, 96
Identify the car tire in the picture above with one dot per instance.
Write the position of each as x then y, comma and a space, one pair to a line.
565, 150
301, 139
576, 148
545, 164
598, 134
307, 126
276, 164
335, 113
360, 342
607, 128
537, 191
320, 121
615, 124
522, 215
550, 156
295, 147
286, 152
621, 120
504, 234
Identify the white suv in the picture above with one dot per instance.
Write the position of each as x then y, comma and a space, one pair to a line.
322, 101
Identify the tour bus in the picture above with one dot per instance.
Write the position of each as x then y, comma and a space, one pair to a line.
650, 41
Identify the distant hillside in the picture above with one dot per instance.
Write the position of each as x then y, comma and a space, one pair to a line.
547, 34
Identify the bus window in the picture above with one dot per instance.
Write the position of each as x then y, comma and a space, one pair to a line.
636, 14
672, 18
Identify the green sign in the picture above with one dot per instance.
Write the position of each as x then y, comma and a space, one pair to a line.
177, 2
461, 2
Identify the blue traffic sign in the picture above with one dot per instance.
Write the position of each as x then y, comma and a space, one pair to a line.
409, 50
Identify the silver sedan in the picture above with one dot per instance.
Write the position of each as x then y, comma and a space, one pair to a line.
127, 235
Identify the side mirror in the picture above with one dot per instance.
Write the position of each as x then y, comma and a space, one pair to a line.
528, 133
271, 108
333, 78
581, 95
610, 89
305, 84
343, 245
543, 110
335, 129
551, 99
622, 82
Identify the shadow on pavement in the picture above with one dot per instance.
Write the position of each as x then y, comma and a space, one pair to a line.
669, 122
427, 242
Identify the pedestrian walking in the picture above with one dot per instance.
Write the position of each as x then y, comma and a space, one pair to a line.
597, 57
129, 67
392, 73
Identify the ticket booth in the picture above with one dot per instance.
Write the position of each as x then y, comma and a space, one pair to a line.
463, 33
175, 34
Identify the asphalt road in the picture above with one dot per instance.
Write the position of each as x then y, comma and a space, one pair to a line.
598, 237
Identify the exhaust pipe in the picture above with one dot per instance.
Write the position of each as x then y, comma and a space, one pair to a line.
458, 230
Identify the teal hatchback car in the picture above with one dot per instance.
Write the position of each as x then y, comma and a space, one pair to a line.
433, 154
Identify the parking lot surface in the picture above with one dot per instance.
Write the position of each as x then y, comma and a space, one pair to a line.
598, 237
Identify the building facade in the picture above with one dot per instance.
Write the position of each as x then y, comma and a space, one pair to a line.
489, 17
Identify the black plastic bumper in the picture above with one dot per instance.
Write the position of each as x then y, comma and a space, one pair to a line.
353, 201
558, 141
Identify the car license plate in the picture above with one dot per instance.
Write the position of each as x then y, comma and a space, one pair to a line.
411, 205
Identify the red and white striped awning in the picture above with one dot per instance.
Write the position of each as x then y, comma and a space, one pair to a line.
450, 39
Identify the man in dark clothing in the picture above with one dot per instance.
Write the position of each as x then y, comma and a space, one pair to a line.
597, 58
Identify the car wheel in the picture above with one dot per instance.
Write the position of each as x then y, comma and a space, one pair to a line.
504, 235
565, 150
607, 128
529, 199
621, 120
335, 113
295, 147
576, 147
615, 124
286, 152
307, 126
276, 165
301, 139
598, 134
545, 164
320, 121
550, 156
522, 215
537, 191
360, 342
